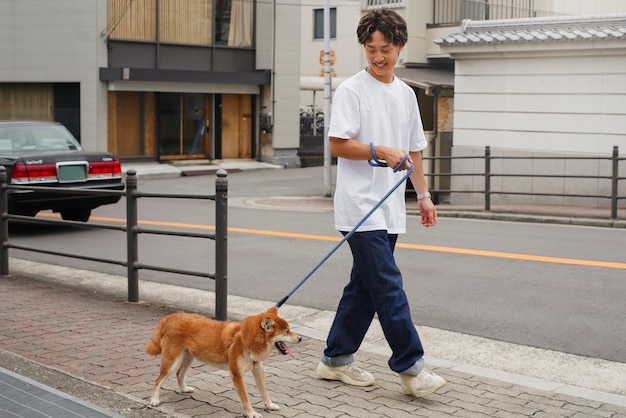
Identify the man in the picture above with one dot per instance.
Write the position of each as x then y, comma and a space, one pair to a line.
376, 116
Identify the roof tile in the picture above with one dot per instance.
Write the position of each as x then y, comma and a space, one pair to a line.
544, 29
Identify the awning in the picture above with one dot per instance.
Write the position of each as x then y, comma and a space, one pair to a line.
315, 83
427, 77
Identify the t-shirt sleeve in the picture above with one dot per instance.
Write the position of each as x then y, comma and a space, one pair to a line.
345, 116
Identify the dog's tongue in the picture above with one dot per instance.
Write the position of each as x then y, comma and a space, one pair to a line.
282, 347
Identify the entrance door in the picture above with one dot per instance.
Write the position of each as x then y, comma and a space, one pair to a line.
182, 125
236, 126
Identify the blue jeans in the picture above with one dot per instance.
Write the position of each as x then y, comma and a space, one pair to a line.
375, 287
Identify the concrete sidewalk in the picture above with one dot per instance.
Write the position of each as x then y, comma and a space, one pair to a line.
78, 324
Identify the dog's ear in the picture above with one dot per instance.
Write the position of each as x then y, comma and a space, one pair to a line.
273, 310
267, 324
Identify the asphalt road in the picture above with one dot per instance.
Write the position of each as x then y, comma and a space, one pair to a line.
547, 286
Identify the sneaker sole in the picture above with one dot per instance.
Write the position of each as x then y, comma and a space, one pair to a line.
408, 391
331, 375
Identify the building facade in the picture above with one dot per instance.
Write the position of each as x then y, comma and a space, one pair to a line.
158, 80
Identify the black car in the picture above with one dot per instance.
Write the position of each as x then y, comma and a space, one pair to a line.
46, 154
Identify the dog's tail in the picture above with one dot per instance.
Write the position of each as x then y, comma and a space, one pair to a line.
153, 347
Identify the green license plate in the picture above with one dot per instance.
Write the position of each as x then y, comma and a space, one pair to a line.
72, 172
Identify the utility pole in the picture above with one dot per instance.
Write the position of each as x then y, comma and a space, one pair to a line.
327, 93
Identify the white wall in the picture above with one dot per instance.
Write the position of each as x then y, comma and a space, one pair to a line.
286, 116
345, 45
546, 99
417, 15
542, 102
54, 41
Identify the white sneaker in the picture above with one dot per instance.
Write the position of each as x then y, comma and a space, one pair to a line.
421, 385
350, 374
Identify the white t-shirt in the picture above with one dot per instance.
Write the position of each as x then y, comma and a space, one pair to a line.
386, 114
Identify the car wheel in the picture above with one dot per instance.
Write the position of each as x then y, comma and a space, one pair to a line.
79, 215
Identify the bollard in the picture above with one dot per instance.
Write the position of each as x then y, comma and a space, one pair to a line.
487, 178
4, 224
614, 178
221, 245
132, 241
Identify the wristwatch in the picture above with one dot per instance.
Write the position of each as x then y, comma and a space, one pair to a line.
421, 196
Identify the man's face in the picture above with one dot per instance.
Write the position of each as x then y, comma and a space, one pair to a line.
382, 56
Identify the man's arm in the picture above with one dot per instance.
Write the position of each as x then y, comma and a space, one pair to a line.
426, 206
352, 149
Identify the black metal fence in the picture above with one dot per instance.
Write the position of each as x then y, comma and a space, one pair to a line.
488, 174
132, 230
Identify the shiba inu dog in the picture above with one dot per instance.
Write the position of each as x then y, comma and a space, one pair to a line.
237, 346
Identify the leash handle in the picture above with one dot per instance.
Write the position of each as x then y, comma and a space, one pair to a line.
349, 234
375, 162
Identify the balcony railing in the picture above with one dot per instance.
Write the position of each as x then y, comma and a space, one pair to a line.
371, 4
448, 12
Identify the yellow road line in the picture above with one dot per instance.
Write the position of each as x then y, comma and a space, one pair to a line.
434, 248
515, 256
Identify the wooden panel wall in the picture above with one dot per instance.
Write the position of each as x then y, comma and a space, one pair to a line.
127, 112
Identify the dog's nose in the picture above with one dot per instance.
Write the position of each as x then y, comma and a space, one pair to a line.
299, 339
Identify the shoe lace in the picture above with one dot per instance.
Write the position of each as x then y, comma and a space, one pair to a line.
428, 376
353, 368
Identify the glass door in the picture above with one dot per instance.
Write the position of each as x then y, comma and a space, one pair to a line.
183, 125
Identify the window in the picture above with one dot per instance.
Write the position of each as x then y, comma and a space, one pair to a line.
318, 23
131, 20
233, 26
183, 21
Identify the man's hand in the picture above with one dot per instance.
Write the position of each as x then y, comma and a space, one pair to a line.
394, 156
428, 212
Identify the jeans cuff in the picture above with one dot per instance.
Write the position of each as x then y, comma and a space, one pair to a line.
337, 361
415, 369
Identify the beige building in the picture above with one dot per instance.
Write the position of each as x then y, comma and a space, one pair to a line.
508, 75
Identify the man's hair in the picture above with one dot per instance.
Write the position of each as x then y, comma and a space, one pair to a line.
386, 21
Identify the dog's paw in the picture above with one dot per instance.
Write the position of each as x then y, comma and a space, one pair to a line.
155, 402
188, 389
253, 414
272, 407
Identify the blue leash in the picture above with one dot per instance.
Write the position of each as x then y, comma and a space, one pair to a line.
374, 162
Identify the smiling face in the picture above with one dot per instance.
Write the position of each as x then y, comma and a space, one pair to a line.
382, 57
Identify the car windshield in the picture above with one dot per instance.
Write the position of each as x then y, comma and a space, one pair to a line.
15, 140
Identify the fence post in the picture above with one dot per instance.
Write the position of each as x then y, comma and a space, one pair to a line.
221, 240
614, 176
487, 178
4, 224
132, 243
